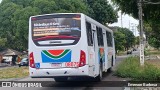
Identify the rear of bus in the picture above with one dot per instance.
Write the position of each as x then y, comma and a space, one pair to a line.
57, 46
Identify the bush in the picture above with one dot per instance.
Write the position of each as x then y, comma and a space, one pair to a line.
130, 68
146, 52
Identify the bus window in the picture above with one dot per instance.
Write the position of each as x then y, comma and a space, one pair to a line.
56, 30
109, 39
100, 37
89, 34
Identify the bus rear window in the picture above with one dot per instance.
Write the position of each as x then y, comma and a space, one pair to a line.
56, 30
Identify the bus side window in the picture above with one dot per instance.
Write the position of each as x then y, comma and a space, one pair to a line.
109, 39
89, 34
100, 37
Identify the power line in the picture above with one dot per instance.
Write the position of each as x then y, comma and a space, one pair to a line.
148, 2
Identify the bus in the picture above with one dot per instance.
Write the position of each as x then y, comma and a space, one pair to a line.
63, 45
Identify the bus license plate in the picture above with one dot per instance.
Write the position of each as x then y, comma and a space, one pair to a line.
56, 65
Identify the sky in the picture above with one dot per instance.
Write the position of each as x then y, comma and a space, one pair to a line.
127, 22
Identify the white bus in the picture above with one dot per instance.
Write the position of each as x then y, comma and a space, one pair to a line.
63, 45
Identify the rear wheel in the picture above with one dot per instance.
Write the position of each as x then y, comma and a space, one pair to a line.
109, 69
112, 62
61, 79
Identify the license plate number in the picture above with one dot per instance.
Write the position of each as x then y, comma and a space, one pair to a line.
56, 65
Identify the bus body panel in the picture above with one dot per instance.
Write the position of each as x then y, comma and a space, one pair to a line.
56, 61
51, 73
44, 63
108, 51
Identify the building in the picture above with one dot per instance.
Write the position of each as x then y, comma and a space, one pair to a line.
9, 55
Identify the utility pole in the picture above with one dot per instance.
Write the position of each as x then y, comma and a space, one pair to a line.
141, 33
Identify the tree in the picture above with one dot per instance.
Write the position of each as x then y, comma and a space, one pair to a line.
6, 26
20, 21
14, 16
45, 6
119, 41
151, 13
102, 11
2, 43
137, 40
72, 6
124, 39
154, 42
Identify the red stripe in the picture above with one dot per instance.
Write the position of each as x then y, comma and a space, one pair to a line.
55, 52
51, 37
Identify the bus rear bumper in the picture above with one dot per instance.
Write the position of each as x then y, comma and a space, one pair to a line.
61, 72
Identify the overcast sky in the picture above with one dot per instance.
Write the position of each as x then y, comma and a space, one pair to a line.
127, 22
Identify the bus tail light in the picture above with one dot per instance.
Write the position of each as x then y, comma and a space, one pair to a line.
31, 60
82, 59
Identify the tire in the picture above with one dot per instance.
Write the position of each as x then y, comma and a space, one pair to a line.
61, 79
109, 70
99, 77
112, 62
19, 65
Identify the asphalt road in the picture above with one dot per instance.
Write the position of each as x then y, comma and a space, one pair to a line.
51, 85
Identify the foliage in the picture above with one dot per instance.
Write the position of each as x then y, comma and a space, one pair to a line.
146, 52
2, 43
137, 40
119, 40
124, 38
152, 32
14, 16
130, 68
129, 37
102, 11
153, 41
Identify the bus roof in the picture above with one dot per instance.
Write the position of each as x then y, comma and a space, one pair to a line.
99, 24
54, 14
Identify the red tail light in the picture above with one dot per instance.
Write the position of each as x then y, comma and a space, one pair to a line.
31, 60
33, 18
82, 59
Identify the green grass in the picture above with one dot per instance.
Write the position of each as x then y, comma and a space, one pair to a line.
120, 53
154, 52
130, 68
13, 72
